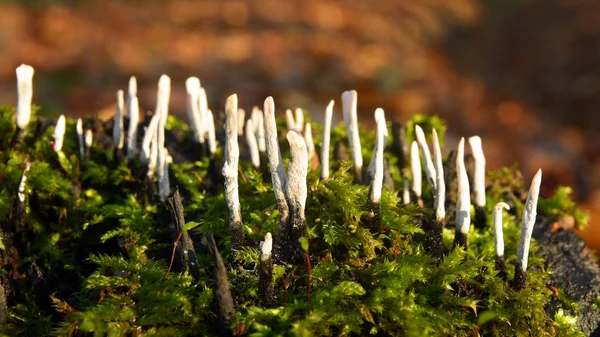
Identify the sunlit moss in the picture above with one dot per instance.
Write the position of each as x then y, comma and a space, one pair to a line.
106, 252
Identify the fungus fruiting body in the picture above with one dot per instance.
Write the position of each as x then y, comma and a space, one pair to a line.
265, 276
308, 138
296, 191
290, 122
349, 101
426, 156
230, 172
252, 144
278, 177
463, 203
192, 86
478, 181
79, 130
377, 181
133, 112
529, 217
24, 96
59, 133
118, 122
212, 138
499, 238
325, 146
415, 169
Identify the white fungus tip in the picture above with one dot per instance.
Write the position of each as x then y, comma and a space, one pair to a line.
59, 133
290, 122
164, 82
79, 126
267, 245
89, 138
192, 85
502, 205
24, 94
299, 117
296, 141
132, 87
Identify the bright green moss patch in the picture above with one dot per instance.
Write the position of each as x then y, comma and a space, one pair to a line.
105, 251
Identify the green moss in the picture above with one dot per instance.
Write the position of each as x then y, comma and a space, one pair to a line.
105, 254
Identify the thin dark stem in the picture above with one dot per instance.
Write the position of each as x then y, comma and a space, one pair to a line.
309, 277
173, 253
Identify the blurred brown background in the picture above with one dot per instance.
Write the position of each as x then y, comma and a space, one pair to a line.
523, 74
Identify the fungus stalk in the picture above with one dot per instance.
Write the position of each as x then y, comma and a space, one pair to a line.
463, 203
373, 203
192, 86
426, 155
149, 135
241, 121
499, 238
529, 217
349, 101
296, 192
278, 178
18, 216
440, 185
478, 181
252, 144
212, 139
299, 118
378, 114
310, 145
164, 91
79, 130
433, 229
133, 111
24, 95
265, 272
59, 133
259, 130
399, 145
290, 122
415, 169
326, 141
164, 187
118, 122
230, 173
203, 104
406, 193
89, 139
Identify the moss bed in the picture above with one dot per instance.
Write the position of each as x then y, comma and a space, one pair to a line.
91, 253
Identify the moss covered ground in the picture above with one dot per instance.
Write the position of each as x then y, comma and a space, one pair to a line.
93, 255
